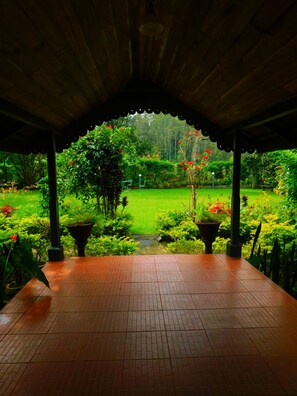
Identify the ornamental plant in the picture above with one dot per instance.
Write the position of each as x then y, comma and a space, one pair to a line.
18, 265
194, 160
95, 165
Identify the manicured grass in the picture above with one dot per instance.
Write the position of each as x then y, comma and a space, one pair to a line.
144, 205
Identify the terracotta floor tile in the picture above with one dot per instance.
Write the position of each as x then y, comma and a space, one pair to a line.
197, 372
131, 326
143, 375
184, 319
144, 288
144, 267
167, 266
273, 298
106, 289
284, 316
31, 323
173, 288
274, 341
249, 375
255, 285
7, 321
228, 342
10, 374
248, 274
145, 321
145, 302
88, 322
189, 343
146, 345
81, 347
284, 370
89, 304
71, 378
144, 277
256, 317
203, 286
19, 348
18, 304
224, 300
169, 276
177, 301
210, 390
194, 276
220, 319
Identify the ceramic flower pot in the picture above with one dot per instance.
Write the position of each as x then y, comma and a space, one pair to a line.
80, 232
208, 232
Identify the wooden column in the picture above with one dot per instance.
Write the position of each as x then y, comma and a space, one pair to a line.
234, 246
55, 252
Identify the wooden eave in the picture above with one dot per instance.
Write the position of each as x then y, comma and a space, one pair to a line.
224, 66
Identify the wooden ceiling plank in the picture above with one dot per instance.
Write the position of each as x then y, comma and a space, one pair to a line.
272, 79
27, 94
56, 34
42, 51
121, 21
15, 113
224, 41
269, 13
30, 63
79, 45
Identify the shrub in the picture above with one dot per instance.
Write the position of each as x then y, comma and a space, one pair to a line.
33, 230
119, 226
183, 246
111, 246
273, 229
173, 225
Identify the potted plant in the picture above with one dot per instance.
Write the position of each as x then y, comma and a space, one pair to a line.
80, 228
208, 219
17, 267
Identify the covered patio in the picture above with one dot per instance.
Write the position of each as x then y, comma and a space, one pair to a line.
150, 325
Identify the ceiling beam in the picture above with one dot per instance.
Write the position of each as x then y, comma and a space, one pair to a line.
274, 113
13, 112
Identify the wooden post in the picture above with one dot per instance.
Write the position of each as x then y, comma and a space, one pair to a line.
234, 246
55, 252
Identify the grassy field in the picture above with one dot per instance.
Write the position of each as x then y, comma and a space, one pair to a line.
144, 205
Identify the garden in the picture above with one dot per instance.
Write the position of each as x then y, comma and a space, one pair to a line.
165, 198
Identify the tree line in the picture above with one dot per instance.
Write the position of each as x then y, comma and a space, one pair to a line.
154, 137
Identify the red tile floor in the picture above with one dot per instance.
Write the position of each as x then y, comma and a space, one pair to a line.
150, 325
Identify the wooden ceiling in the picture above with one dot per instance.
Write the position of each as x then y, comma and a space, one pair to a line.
225, 66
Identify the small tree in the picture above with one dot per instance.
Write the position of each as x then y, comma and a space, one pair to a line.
193, 162
95, 165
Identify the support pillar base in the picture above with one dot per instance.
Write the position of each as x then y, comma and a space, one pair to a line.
233, 250
55, 253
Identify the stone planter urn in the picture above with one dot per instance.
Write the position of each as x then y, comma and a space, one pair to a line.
208, 232
80, 232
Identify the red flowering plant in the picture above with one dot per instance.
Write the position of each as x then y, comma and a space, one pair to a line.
213, 212
194, 160
7, 210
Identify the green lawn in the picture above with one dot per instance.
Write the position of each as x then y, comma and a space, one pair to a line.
144, 204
